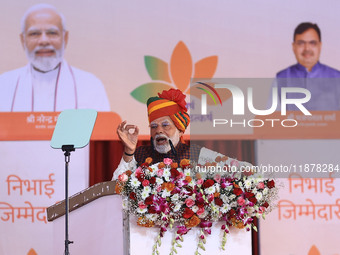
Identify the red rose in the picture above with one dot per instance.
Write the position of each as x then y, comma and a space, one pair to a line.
218, 201
152, 180
253, 200
271, 184
248, 194
149, 200
237, 191
200, 204
152, 209
174, 173
265, 204
144, 165
232, 212
208, 183
133, 196
140, 176
145, 183
188, 213
190, 191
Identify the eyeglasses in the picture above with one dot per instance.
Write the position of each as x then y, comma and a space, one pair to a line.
302, 43
166, 125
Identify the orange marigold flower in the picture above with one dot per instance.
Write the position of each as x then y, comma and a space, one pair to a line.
184, 162
218, 159
224, 158
188, 178
235, 185
148, 160
128, 172
237, 223
216, 194
143, 222
161, 165
169, 186
192, 222
174, 165
198, 176
118, 188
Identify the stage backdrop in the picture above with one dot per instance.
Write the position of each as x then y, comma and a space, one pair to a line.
128, 44
139, 47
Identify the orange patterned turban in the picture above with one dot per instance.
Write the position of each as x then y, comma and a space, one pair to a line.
170, 103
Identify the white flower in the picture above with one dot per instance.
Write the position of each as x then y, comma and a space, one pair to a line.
125, 203
166, 193
210, 190
194, 208
147, 189
233, 204
167, 178
259, 196
154, 170
192, 183
141, 211
228, 188
250, 209
166, 172
145, 194
217, 187
177, 207
232, 196
247, 184
240, 184
265, 191
134, 182
152, 217
175, 197
224, 198
187, 172
258, 179
225, 208
159, 181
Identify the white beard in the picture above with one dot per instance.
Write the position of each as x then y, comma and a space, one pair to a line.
164, 148
45, 64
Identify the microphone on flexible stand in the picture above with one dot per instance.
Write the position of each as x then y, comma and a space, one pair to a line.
173, 150
152, 149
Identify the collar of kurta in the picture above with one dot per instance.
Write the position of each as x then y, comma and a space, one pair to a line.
65, 90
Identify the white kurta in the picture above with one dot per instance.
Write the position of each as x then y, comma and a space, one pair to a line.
24, 89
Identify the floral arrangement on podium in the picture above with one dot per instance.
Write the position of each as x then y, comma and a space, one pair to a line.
183, 197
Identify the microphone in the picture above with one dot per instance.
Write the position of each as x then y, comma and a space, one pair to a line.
173, 150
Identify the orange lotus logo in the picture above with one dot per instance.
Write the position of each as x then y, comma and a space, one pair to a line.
175, 74
32, 252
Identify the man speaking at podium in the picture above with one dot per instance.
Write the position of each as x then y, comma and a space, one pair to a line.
48, 82
168, 120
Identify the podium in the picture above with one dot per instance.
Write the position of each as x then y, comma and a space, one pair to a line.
98, 226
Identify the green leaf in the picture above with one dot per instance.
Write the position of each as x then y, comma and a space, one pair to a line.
143, 92
157, 68
255, 228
